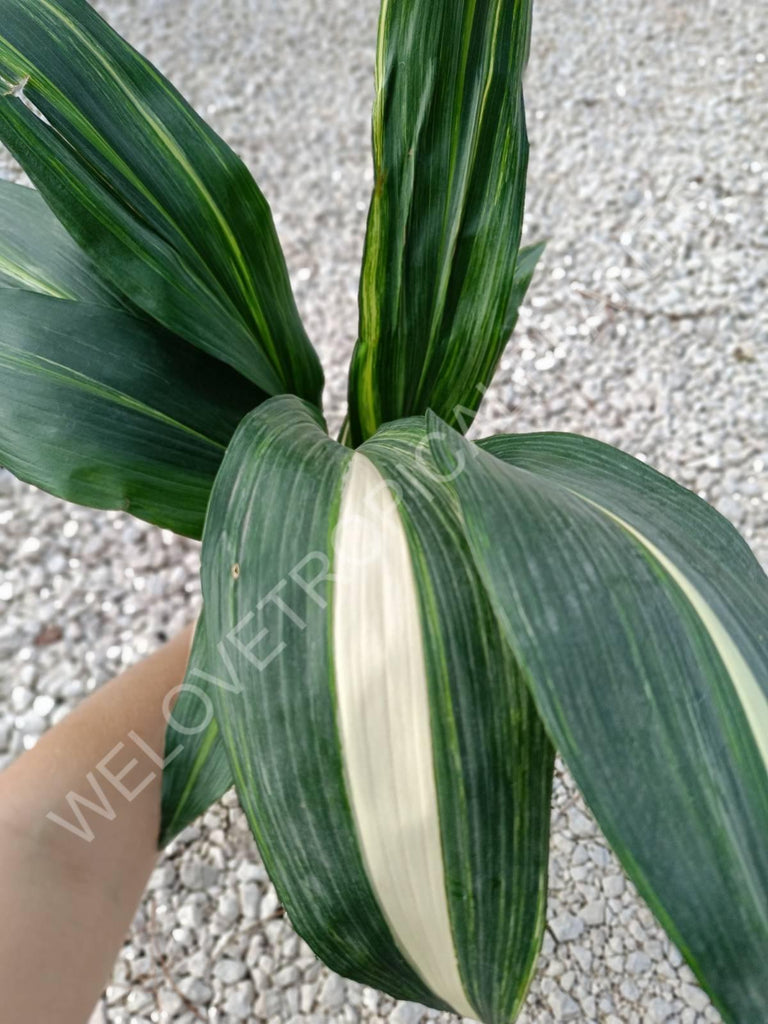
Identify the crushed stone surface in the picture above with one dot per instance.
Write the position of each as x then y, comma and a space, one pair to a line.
646, 326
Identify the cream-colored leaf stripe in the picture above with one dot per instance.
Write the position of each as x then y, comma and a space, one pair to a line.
384, 723
749, 691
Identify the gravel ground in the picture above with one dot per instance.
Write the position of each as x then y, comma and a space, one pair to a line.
647, 327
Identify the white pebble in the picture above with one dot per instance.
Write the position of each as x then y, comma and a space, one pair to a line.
579, 824
593, 913
407, 1013
250, 872
286, 976
163, 877
250, 899
695, 997
563, 1006
195, 874
566, 927
228, 908
239, 1002
332, 993
659, 1010
43, 705
613, 886
229, 971
307, 995
198, 964
638, 962
138, 1000
195, 990
21, 698
269, 905
29, 722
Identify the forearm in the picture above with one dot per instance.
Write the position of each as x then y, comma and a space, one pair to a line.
71, 875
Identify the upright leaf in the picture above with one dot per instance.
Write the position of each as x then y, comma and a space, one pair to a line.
450, 158
106, 410
160, 203
641, 620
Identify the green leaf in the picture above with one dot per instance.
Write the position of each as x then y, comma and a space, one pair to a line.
524, 271
37, 255
165, 210
493, 761
196, 771
383, 744
130, 254
450, 159
106, 410
641, 620
267, 537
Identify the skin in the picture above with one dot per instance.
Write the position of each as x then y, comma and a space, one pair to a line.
65, 902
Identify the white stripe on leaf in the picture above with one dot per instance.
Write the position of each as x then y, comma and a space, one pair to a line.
384, 723
749, 691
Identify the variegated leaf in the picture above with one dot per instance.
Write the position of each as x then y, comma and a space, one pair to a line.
165, 210
387, 754
640, 618
439, 292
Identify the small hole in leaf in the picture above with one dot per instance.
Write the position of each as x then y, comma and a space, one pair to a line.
236, 571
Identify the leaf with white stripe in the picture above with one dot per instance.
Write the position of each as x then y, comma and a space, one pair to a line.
492, 761
384, 711
383, 744
641, 620
266, 584
158, 201
438, 292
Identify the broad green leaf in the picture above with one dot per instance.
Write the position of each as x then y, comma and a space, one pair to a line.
196, 771
163, 207
493, 761
37, 255
265, 548
450, 157
106, 410
641, 620
383, 744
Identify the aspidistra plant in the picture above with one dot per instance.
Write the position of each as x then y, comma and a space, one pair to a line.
399, 627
